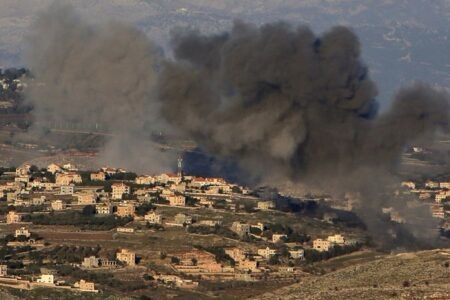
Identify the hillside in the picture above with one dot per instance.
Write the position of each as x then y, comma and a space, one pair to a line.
418, 275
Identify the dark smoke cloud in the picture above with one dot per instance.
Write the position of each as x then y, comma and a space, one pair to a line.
96, 77
280, 102
290, 105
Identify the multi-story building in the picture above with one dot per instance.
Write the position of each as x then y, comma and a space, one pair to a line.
240, 228
22, 231
267, 252
321, 245
87, 198
265, 205
119, 189
125, 210
104, 209
297, 253
46, 278
86, 286
67, 189
3, 270
58, 205
277, 237
153, 218
91, 262
176, 200
126, 256
336, 239
12, 217
53, 168
68, 178
98, 176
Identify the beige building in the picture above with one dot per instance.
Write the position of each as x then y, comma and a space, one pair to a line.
58, 205
145, 179
248, 265
297, 254
267, 252
12, 217
46, 278
321, 245
104, 209
265, 205
240, 228
90, 262
336, 239
3, 270
276, 237
126, 256
22, 231
53, 168
125, 210
86, 286
87, 198
176, 200
153, 218
68, 178
119, 189
98, 176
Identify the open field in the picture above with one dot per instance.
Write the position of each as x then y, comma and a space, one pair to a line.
402, 276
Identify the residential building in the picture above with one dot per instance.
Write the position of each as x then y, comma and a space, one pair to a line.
176, 200
87, 198
265, 205
119, 189
104, 209
125, 210
240, 228
54, 168
248, 265
3, 270
98, 176
126, 256
444, 185
67, 178
22, 231
91, 262
67, 189
23, 170
432, 184
70, 167
12, 217
153, 218
439, 197
211, 223
46, 278
58, 205
267, 252
277, 237
437, 211
321, 245
336, 239
86, 286
145, 179
297, 253
237, 254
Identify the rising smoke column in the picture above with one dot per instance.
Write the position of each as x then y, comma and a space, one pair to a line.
96, 76
290, 105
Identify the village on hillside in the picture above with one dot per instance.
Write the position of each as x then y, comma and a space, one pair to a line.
87, 231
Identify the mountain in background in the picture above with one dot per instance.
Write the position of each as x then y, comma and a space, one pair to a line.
403, 40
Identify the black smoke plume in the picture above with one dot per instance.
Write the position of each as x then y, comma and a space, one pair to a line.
290, 105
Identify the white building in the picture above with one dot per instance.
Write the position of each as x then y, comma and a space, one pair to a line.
46, 278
